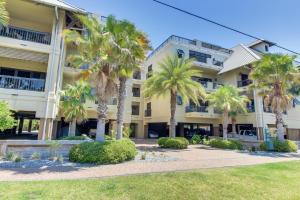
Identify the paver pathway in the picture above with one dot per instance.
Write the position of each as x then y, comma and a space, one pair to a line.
195, 157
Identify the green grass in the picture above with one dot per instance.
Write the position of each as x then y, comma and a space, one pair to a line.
269, 181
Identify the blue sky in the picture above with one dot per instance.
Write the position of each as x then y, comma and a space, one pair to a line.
275, 20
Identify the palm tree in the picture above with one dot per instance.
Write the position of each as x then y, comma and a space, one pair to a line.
174, 78
93, 48
227, 99
274, 76
73, 104
129, 47
4, 17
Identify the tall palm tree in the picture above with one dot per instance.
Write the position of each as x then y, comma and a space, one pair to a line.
4, 16
73, 103
93, 49
227, 99
129, 48
174, 78
274, 76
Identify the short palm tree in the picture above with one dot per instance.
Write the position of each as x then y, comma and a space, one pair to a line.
227, 99
73, 103
93, 49
274, 76
4, 17
129, 48
174, 78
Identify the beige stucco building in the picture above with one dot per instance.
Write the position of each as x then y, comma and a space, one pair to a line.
219, 66
33, 70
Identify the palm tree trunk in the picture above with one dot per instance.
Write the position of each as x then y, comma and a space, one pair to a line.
225, 124
102, 114
173, 111
279, 125
121, 107
233, 122
72, 128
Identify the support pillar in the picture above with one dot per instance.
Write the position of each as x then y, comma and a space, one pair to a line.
46, 124
30, 126
21, 123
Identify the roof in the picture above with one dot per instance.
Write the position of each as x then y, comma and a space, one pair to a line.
61, 4
256, 42
241, 56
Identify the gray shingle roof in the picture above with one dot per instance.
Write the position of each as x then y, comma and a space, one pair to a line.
241, 56
61, 4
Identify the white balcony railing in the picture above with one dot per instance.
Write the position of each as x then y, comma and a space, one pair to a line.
19, 83
25, 34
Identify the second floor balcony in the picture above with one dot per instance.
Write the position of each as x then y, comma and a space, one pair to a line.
25, 34
203, 109
19, 83
244, 83
148, 113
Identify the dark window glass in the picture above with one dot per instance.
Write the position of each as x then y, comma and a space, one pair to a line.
150, 68
135, 109
149, 106
200, 57
24, 74
180, 53
7, 72
266, 48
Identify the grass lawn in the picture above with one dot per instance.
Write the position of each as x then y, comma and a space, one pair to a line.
269, 181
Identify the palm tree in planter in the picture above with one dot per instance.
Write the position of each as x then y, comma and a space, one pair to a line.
4, 17
174, 78
274, 76
73, 103
227, 99
128, 48
93, 49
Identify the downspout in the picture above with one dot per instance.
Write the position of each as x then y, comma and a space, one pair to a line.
53, 55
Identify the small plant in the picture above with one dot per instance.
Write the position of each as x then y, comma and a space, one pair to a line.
196, 139
36, 156
143, 156
54, 146
14, 157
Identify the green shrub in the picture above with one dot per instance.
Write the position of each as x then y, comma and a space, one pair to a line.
196, 139
14, 157
226, 144
36, 156
110, 152
286, 146
173, 143
263, 146
81, 137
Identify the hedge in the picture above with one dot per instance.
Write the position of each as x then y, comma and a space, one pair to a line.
278, 146
173, 143
110, 152
226, 144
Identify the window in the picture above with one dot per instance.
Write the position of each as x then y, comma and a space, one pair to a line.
149, 106
136, 92
266, 48
180, 53
149, 74
22, 73
137, 75
135, 110
200, 57
217, 63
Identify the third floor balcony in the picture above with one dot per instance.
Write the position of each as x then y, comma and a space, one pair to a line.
244, 83
25, 34
20, 83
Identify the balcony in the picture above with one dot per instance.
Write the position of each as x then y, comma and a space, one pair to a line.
25, 34
137, 75
250, 109
148, 113
19, 83
203, 109
268, 109
244, 83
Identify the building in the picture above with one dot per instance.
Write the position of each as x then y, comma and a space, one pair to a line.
33, 70
219, 66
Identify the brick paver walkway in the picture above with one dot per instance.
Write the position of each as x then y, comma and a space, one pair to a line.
195, 157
